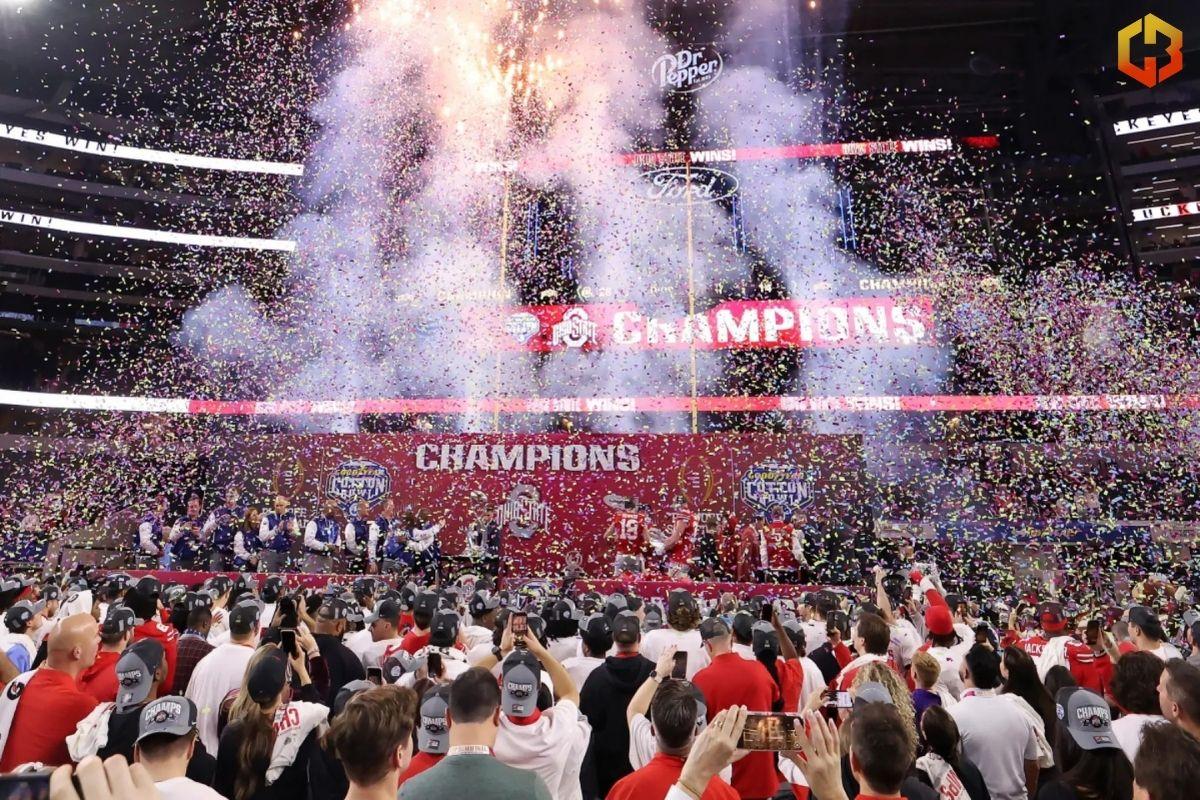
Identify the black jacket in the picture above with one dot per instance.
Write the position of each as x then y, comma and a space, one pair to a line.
341, 662
123, 733
604, 699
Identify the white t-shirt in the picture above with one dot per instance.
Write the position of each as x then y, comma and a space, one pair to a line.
185, 789
950, 658
999, 739
473, 635
1128, 730
904, 642
1166, 651
216, 675
580, 667
743, 650
358, 642
561, 649
815, 634
553, 746
655, 642
376, 652
643, 746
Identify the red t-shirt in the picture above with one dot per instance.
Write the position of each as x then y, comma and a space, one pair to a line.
168, 637
791, 681
779, 547
631, 528
100, 679
413, 641
656, 779
731, 680
1034, 645
46, 715
681, 553
420, 762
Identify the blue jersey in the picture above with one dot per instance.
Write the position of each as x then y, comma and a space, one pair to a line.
156, 532
187, 546
278, 538
229, 520
327, 530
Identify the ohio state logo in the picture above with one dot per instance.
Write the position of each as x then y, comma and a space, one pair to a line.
575, 330
524, 512
688, 70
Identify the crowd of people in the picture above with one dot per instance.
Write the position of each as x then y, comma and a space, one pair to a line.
246, 688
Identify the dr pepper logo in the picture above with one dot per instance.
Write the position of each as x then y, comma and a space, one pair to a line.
1148, 28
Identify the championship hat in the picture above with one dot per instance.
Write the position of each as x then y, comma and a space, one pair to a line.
171, 715
1087, 717
135, 672
521, 676
433, 732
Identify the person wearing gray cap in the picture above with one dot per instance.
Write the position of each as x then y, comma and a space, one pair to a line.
220, 672
166, 742
22, 619
433, 732
1090, 757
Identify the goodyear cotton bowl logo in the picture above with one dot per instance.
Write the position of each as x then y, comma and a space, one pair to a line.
523, 512
674, 184
356, 480
688, 70
777, 488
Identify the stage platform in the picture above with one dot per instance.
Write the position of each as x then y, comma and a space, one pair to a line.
644, 588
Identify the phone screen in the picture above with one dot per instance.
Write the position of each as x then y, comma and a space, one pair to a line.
29, 786
287, 640
520, 627
433, 664
766, 730
844, 700
375, 675
679, 671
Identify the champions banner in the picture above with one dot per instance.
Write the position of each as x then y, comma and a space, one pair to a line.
548, 491
832, 322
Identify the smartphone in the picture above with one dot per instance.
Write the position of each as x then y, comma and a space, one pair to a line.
767, 730
375, 675
679, 671
520, 627
26, 786
844, 700
433, 664
287, 641
766, 612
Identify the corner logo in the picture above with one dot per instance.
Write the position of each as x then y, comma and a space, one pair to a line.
1148, 28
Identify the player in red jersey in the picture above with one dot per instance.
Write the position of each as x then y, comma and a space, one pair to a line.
678, 546
629, 529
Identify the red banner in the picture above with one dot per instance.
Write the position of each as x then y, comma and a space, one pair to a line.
548, 491
737, 324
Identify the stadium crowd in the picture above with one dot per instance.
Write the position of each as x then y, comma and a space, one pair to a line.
248, 689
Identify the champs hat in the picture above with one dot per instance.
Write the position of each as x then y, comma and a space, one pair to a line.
595, 629
520, 679
148, 586
443, 631
713, 628
385, 609
615, 605
654, 618
426, 601
626, 627
743, 625
271, 589
393, 668
1087, 717
21, 613
51, 592
1148, 621
135, 672
348, 691
481, 603
119, 619
172, 715
244, 617
872, 692
433, 730
764, 638
334, 608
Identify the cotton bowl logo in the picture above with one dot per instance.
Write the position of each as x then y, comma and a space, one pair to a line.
524, 512
522, 326
356, 480
689, 70
674, 184
777, 488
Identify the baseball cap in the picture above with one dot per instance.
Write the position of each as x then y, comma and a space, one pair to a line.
172, 715
596, 626
1190, 617
654, 618
743, 624
481, 603
795, 632
1148, 621
407, 597
13, 583
393, 667
271, 589
194, 600
21, 613
443, 631
135, 672
173, 593
148, 585
1087, 717
871, 692
626, 627
713, 628
268, 676
521, 677
221, 583
679, 598
764, 639
349, 690
119, 619
590, 603
433, 732
51, 592
244, 616
615, 604
425, 601
363, 586
115, 580
1051, 617
248, 580
939, 621
334, 608
388, 609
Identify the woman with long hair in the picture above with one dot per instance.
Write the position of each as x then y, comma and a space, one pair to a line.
1024, 689
270, 748
943, 755
1093, 765
879, 672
